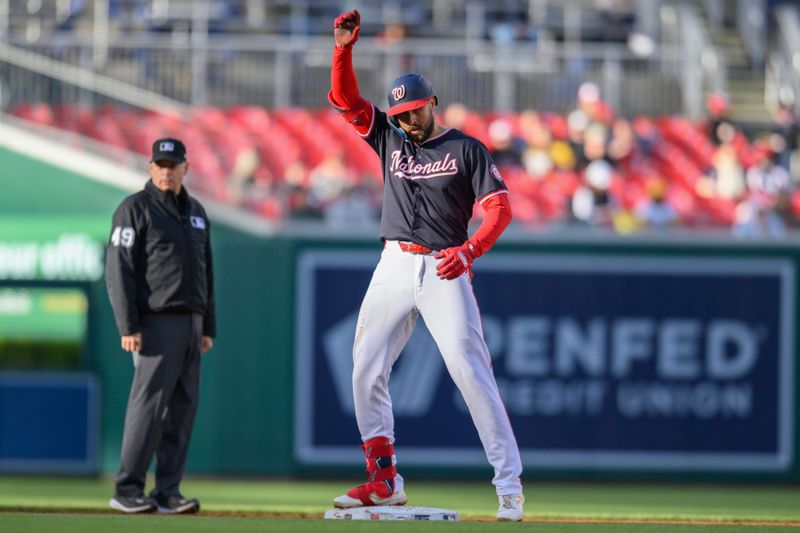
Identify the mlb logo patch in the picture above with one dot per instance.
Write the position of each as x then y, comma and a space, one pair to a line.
198, 222
166, 147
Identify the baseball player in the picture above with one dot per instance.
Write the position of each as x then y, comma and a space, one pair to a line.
432, 178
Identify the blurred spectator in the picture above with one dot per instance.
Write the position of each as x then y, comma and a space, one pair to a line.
562, 155
529, 121
393, 33
729, 174
534, 131
588, 124
719, 127
245, 183
725, 179
392, 36
536, 159
328, 180
641, 44
622, 145
455, 116
576, 127
782, 208
357, 205
767, 209
592, 203
506, 148
537, 163
294, 190
655, 212
577, 122
766, 179
752, 220
509, 24
617, 17
591, 106
788, 128
647, 135
595, 140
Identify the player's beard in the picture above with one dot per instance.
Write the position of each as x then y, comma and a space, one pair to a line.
423, 134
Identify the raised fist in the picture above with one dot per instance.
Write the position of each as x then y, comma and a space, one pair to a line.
346, 28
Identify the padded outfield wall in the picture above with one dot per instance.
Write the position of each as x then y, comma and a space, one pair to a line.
620, 358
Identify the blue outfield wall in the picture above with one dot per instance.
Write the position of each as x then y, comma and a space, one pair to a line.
618, 359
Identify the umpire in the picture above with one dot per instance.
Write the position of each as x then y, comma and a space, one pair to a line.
161, 287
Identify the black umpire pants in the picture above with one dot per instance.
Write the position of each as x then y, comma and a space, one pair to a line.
162, 403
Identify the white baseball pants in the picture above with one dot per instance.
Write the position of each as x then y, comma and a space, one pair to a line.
404, 286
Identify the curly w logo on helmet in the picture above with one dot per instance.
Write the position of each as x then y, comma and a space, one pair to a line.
399, 92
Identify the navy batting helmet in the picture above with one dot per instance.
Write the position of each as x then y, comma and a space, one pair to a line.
409, 92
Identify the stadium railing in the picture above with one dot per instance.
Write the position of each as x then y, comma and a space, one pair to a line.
783, 72
276, 71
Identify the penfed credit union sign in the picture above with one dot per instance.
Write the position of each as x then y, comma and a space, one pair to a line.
696, 368
604, 362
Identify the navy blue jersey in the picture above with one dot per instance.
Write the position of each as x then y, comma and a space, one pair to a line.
430, 188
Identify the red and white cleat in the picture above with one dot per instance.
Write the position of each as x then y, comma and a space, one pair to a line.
383, 486
353, 499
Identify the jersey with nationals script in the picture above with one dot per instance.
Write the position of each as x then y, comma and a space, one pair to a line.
430, 188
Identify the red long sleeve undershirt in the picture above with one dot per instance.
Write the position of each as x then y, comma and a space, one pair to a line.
497, 218
344, 94
344, 85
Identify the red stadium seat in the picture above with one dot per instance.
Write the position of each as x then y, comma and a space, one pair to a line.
253, 119
557, 125
39, 113
678, 150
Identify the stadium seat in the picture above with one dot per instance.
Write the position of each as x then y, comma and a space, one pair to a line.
673, 147
39, 113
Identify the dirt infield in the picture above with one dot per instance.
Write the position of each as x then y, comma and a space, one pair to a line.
248, 514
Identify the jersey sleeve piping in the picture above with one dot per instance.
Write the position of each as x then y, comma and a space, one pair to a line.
355, 116
491, 194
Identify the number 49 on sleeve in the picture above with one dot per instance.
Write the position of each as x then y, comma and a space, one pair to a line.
123, 236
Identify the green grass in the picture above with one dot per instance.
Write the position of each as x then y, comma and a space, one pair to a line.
40, 497
122, 524
30, 523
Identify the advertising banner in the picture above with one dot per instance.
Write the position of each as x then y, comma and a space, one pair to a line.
43, 313
59, 248
615, 362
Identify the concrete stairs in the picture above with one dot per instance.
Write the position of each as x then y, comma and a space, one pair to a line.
745, 81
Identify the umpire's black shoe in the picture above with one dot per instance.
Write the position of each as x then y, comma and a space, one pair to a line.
175, 504
133, 504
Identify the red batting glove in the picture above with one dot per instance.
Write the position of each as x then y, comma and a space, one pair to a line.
346, 28
456, 261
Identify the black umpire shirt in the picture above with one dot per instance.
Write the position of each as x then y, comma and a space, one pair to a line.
159, 259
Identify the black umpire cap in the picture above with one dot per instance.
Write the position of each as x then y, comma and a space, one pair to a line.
169, 149
408, 92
